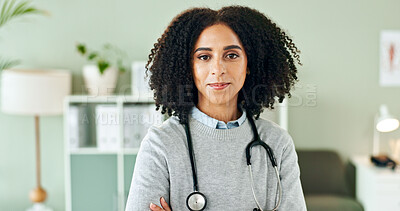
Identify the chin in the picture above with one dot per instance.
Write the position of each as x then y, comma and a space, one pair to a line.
224, 102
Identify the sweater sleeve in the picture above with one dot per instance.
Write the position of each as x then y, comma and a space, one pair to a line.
150, 179
292, 192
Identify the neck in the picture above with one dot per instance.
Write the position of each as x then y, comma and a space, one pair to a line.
221, 112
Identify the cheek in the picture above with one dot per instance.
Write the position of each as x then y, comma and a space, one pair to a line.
199, 74
243, 70
238, 72
240, 80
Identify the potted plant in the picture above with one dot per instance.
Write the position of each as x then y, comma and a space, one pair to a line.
101, 75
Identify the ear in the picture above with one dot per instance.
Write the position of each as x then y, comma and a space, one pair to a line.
248, 71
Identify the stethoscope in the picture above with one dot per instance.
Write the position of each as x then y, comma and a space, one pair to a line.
198, 201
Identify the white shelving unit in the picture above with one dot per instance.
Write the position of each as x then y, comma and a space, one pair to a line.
88, 162
118, 201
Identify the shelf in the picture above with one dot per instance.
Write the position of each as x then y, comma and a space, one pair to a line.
86, 152
96, 151
110, 99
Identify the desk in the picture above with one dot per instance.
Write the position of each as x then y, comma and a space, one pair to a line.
376, 188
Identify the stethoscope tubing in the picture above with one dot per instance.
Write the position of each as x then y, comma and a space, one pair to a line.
279, 189
255, 142
192, 159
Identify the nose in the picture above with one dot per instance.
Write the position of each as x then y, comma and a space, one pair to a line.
218, 68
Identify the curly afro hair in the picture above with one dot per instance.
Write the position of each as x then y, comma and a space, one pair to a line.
270, 55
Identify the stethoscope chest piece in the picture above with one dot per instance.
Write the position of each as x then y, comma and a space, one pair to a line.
196, 201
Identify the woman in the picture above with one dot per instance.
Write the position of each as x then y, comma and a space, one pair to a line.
217, 70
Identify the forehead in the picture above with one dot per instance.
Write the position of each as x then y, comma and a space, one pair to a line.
217, 35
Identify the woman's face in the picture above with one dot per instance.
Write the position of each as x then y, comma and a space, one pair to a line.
219, 66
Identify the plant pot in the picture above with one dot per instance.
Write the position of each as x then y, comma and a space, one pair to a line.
100, 84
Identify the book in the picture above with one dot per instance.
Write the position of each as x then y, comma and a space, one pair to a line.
137, 121
78, 125
107, 127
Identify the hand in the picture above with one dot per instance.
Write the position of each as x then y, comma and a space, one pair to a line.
164, 205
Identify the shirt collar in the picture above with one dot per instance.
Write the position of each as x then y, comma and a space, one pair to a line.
214, 123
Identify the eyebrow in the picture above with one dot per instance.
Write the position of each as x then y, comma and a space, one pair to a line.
225, 48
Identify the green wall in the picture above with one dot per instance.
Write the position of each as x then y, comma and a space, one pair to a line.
339, 41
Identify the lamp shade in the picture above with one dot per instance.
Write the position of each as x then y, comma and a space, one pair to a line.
34, 92
386, 122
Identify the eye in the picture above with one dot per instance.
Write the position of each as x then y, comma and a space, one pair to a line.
203, 57
232, 56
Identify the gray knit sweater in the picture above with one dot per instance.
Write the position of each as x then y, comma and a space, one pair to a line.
163, 168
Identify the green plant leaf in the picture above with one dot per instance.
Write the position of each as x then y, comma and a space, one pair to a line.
10, 9
81, 48
92, 56
20, 8
5, 11
5, 64
103, 65
4, 7
121, 67
108, 56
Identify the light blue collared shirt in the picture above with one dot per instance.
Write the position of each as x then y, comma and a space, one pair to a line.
214, 123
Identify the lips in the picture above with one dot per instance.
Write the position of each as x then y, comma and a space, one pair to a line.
218, 86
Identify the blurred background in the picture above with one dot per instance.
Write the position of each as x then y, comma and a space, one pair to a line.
333, 105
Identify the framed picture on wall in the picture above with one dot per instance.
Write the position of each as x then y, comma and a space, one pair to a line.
389, 73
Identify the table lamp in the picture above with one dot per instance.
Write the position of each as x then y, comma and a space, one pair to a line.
35, 93
384, 122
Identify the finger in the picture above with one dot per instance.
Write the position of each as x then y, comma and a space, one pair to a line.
154, 207
164, 204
